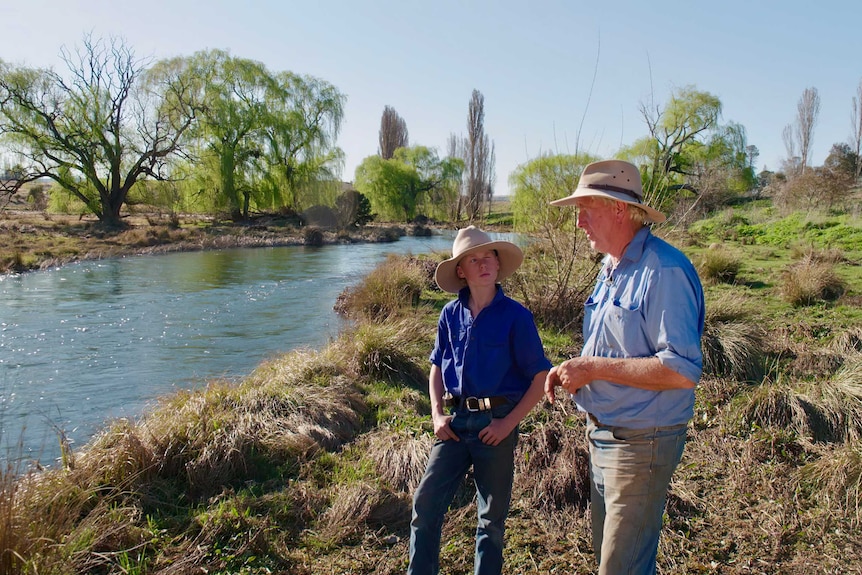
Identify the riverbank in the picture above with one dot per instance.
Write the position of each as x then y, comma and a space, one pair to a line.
31, 240
308, 464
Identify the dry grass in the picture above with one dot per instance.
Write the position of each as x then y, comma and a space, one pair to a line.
552, 464
836, 481
389, 289
399, 457
389, 351
733, 344
825, 410
11, 535
718, 265
811, 280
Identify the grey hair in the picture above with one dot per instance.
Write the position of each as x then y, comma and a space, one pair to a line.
635, 212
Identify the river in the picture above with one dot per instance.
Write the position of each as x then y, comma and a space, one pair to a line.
96, 340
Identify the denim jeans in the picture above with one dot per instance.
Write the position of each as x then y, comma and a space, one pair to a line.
630, 471
493, 469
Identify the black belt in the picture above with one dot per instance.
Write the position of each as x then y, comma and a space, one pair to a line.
474, 403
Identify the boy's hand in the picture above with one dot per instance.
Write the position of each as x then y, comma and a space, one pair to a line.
495, 432
441, 427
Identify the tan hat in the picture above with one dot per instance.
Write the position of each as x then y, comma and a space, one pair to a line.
614, 179
469, 240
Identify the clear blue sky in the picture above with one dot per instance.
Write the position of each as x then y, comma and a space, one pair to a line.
556, 75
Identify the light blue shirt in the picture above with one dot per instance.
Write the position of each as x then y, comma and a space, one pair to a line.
651, 305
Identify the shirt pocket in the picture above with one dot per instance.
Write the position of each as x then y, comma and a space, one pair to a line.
495, 359
623, 326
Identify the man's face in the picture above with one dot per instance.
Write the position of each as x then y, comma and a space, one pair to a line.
479, 268
600, 221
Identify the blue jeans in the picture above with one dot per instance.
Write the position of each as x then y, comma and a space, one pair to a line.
630, 471
493, 470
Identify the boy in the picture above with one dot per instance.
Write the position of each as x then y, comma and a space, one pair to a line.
488, 367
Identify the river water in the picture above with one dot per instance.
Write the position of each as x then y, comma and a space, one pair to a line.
97, 340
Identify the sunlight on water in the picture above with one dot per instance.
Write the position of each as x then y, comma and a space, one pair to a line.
92, 341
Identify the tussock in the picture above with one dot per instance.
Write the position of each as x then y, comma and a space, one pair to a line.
733, 345
848, 342
809, 281
399, 457
828, 410
835, 480
389, 290
389, 352
361, 506
552, 463
718, 265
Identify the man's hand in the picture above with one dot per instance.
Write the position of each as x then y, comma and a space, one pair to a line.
551, 381
571, 375
441, 427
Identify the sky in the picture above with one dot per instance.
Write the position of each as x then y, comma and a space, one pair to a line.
557, 76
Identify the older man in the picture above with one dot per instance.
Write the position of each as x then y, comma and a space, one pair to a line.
641, 360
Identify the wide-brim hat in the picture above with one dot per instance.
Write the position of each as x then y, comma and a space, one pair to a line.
614, 179
467, 241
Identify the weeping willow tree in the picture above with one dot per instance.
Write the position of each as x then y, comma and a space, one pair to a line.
414, 177
688, 150
304, 165
263, 140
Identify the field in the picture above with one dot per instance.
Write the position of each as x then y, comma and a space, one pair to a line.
307, 466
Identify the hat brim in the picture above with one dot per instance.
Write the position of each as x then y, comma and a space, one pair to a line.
653, 215
509, 255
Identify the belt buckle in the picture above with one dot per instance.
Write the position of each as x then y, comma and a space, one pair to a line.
474, 404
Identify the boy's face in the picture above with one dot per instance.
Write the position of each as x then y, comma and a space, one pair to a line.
479, 268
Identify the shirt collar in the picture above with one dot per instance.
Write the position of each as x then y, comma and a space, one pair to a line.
464, 296
635, 249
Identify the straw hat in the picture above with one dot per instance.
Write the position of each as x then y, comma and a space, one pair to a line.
614, 179
472, 239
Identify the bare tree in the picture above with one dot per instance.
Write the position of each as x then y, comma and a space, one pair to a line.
808, 109
479, 157
489, 189
393, 133
455, 149
110, 124
856, 123
791, 163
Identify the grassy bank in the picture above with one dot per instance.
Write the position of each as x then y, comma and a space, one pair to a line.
307, 465
31, 240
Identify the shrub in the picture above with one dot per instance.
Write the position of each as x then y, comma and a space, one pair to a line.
557, 276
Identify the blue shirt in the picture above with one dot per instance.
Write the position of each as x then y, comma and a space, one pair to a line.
496, 353
652, 305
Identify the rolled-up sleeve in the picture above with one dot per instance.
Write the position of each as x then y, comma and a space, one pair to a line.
675, 318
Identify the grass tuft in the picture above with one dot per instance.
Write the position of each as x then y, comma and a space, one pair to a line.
733, 345
390, 289
809, 281
718, 265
